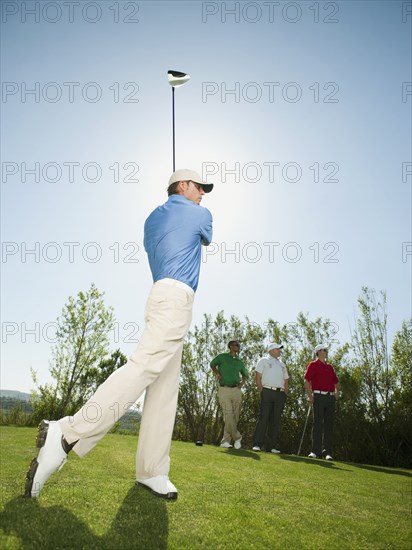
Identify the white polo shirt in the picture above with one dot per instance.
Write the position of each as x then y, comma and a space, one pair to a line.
273, 372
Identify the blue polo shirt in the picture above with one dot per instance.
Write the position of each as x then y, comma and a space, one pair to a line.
173, 236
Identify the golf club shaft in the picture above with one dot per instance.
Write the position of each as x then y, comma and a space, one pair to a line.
173, 118
304, 430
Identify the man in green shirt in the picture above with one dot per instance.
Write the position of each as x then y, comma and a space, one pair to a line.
231, 374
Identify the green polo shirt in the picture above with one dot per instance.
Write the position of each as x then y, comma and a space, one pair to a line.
229, 368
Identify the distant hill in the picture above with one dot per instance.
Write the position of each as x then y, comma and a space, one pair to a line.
9, 399
14, 394
129, 422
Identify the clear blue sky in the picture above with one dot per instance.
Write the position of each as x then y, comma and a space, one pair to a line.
299, 112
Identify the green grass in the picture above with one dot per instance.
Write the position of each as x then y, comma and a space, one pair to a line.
227, 499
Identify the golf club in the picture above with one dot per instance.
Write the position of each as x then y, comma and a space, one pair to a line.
176, 79
304, 430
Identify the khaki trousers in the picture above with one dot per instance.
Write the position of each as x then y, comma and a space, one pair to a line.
230, 399
154, 367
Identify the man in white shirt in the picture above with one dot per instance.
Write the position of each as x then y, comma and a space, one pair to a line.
272, 381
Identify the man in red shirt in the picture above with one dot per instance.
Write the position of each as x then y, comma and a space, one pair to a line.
322, 388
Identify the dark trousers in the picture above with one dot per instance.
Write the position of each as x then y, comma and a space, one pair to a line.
323, 420
271, 407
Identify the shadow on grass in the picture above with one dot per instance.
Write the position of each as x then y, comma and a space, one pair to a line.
314, 462
141, 522
243, 453
381, 469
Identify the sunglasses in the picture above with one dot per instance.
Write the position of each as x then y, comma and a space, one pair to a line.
197, 185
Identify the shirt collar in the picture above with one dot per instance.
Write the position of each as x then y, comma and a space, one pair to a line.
180, 198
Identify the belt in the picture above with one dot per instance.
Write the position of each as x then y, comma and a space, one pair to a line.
324, 392
226, 386
175, 282
273, 388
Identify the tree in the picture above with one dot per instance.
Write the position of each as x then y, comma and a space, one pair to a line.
299, 339
374, 412
402, 358
381, 379
94, 376
369, 343
78, 362
199, 415
401, 401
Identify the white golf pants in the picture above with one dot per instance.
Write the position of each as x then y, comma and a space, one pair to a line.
154, 367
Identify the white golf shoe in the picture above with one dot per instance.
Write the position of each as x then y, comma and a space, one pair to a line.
275, 451
50, 458
160, 486
238, 443
256, 448
226, 445
312, 455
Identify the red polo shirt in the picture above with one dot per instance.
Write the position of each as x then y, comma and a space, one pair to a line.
321, 375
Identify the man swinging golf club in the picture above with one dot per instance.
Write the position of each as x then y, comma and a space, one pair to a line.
173, 236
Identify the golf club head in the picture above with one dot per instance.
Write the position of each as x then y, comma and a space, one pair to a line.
177, 78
